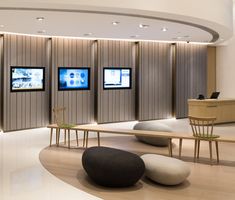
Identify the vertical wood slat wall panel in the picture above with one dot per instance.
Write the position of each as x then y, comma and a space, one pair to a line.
115, 105
191, 75
1, 80
80, 103
24, 109
31, 109
155, 81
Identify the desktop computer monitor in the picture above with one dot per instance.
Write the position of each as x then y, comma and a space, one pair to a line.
215, 95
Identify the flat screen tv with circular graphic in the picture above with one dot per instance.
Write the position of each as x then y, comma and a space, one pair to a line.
73, 78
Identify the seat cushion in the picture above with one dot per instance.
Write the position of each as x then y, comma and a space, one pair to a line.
112, 167
153, 126
165, 170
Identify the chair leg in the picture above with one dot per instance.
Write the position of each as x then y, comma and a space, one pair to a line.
77, 137
195, 149
58, 136
98, 137
198, 148
87, 138
65, 136
170, 147
51, 136
217, 150
210, 148
69, 138
84, 139
180, 147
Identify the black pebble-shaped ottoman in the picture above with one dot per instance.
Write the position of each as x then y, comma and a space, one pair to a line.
112, 167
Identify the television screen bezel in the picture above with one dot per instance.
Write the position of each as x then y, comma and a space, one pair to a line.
28, 90
72, 89
118, 88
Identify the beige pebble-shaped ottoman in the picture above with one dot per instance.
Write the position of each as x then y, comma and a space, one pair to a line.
153, 126
165, 170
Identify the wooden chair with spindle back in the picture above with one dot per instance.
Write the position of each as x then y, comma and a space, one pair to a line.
203, 130
59, 113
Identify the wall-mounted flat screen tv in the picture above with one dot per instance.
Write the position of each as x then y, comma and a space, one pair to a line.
27, 79
73, 78
116, 78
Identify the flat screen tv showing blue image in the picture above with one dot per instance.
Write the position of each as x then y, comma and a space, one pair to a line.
116, 78
73, 78
25, 79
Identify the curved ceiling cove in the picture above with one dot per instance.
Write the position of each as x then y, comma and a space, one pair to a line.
165, 20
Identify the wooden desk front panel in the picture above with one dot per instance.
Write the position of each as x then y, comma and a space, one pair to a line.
223, 110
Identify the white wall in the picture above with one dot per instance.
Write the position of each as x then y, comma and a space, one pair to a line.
225, 69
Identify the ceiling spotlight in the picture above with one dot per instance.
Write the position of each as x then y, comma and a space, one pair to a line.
179, 37
115, 23
87, 34
221, 39
143, 26
40, 18
134, 36
42, 31
1, 26
164, 29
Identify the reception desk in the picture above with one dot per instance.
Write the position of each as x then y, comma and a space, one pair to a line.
222, 109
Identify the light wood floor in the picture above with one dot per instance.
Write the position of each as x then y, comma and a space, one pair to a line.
206, 182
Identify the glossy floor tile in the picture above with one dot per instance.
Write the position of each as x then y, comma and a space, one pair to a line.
22, 177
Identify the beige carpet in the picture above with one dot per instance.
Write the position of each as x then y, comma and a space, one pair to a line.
205, 182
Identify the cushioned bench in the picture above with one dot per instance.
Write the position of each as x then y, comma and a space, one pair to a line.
112, 167
165, 170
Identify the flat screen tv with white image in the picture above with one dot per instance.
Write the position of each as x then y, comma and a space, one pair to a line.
25, 79
116, 78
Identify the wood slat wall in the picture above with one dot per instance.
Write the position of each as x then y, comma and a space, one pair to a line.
115, 105
191, 75
1, 81
155, 81
23, 110
211, 70
150, 63
79, 104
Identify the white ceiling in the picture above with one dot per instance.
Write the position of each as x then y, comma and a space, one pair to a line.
78, 24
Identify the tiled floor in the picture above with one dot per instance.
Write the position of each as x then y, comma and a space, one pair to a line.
22, 177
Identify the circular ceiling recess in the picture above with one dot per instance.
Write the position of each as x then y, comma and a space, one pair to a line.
86, 19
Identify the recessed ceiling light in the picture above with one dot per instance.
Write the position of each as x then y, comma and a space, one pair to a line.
186, 36
42, 31
134, 36
87, 34
179, 37
40, 18
1, 26
143, 26
115, 23
221, 39
164, 29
